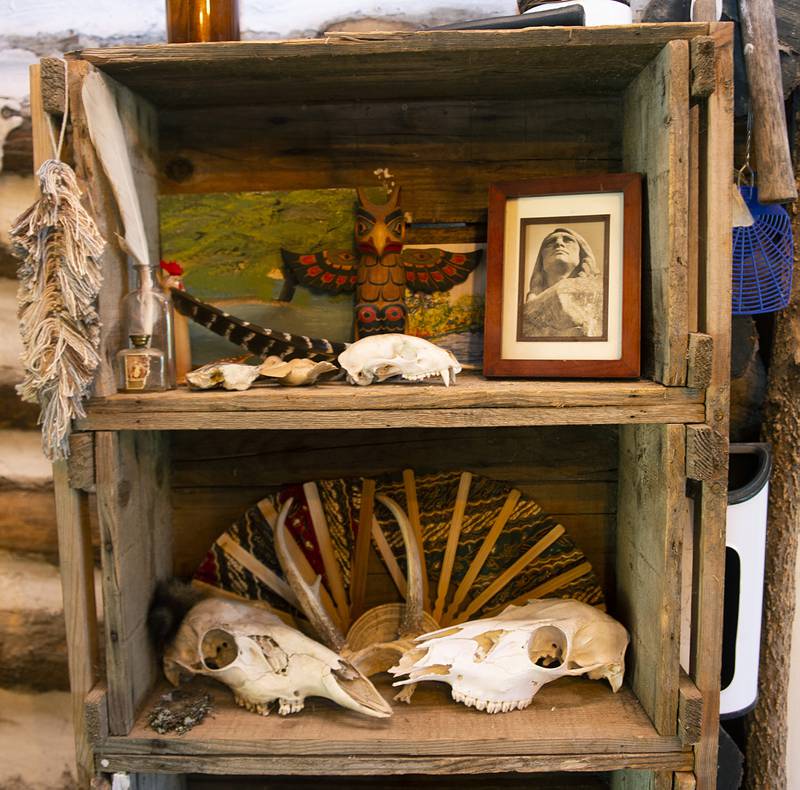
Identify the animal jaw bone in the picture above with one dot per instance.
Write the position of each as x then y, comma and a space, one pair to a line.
262, 660
499, 664
380, 357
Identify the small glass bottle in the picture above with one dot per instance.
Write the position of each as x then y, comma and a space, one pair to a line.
147, 313
141, 368
202, 20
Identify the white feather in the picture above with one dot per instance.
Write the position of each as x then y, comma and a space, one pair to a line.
110, 144
108, 138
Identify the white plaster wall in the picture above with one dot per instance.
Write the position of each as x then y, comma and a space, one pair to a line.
277, 18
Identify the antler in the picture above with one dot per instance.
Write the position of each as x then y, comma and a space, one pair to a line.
307, 595
413, 623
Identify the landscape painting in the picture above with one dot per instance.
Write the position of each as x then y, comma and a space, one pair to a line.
229, 245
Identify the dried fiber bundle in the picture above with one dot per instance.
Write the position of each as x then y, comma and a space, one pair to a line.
59, 278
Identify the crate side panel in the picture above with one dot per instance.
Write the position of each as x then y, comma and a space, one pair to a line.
134, 515
656, 144
652, 511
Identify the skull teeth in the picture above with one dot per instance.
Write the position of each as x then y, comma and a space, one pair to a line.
490, 706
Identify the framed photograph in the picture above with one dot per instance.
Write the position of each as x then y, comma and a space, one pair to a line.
563, 278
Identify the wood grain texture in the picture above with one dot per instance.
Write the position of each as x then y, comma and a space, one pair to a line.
701, 360
77, 583
96, 713
684, 780
559, 730
716, 146
473, 402
652, 511
54, 80
706, 453
690, 711
532, 62
134, 515
656, 144
80, 464
776, 180
770, 724
320, 145
701, 59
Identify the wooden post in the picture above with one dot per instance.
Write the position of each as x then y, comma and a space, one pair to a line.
766, 744
77, 583
771, 144
716, 151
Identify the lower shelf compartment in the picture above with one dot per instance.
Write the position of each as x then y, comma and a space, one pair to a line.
573, 725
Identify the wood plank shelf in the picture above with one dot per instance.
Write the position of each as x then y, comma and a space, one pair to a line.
533, 62
473, 402
574, 724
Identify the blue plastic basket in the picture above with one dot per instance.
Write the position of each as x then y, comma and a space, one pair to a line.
762, 258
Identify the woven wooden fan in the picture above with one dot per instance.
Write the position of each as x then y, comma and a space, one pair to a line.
456, 545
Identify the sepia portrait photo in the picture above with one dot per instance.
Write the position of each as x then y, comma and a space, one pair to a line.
564, 277
563, 269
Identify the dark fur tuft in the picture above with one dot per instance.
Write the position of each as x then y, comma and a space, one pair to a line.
171, 602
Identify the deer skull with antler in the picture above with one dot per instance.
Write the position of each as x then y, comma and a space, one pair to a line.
381, 636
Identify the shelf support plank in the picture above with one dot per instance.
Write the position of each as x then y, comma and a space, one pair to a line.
652, 511
136, 537
656, 143
716, 147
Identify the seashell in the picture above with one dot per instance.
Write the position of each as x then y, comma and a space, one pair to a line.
228, 375
295, 372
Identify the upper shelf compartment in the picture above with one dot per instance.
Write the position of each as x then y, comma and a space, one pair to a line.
424, 65
474, 402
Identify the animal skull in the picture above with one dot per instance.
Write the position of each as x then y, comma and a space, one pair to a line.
262, 660
498, 664
379, 357
382, 635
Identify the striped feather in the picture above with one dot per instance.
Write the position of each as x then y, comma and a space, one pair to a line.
258, 340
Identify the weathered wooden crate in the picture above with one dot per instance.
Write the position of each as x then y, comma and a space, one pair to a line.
447, 113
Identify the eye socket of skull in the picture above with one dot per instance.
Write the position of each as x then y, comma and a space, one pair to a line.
219, 649
548, 647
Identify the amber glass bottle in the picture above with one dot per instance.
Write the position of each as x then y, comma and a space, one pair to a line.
202, 20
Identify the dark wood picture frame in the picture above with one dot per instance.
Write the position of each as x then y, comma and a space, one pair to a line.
628, 364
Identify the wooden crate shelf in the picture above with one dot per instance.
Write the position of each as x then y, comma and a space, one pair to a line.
574, 724
473, 402
448, 113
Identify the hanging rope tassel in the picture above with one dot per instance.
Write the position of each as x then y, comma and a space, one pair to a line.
59, 279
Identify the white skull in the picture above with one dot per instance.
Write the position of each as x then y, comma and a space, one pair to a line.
498, 664
379, 357
262, 660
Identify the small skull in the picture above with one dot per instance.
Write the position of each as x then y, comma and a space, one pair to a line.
380, 357
498, 664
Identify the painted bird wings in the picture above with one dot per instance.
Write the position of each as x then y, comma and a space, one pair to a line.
426, 270
335, 272
258, 340
430, 270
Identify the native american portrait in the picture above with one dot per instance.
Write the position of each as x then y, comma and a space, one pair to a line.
563, 278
